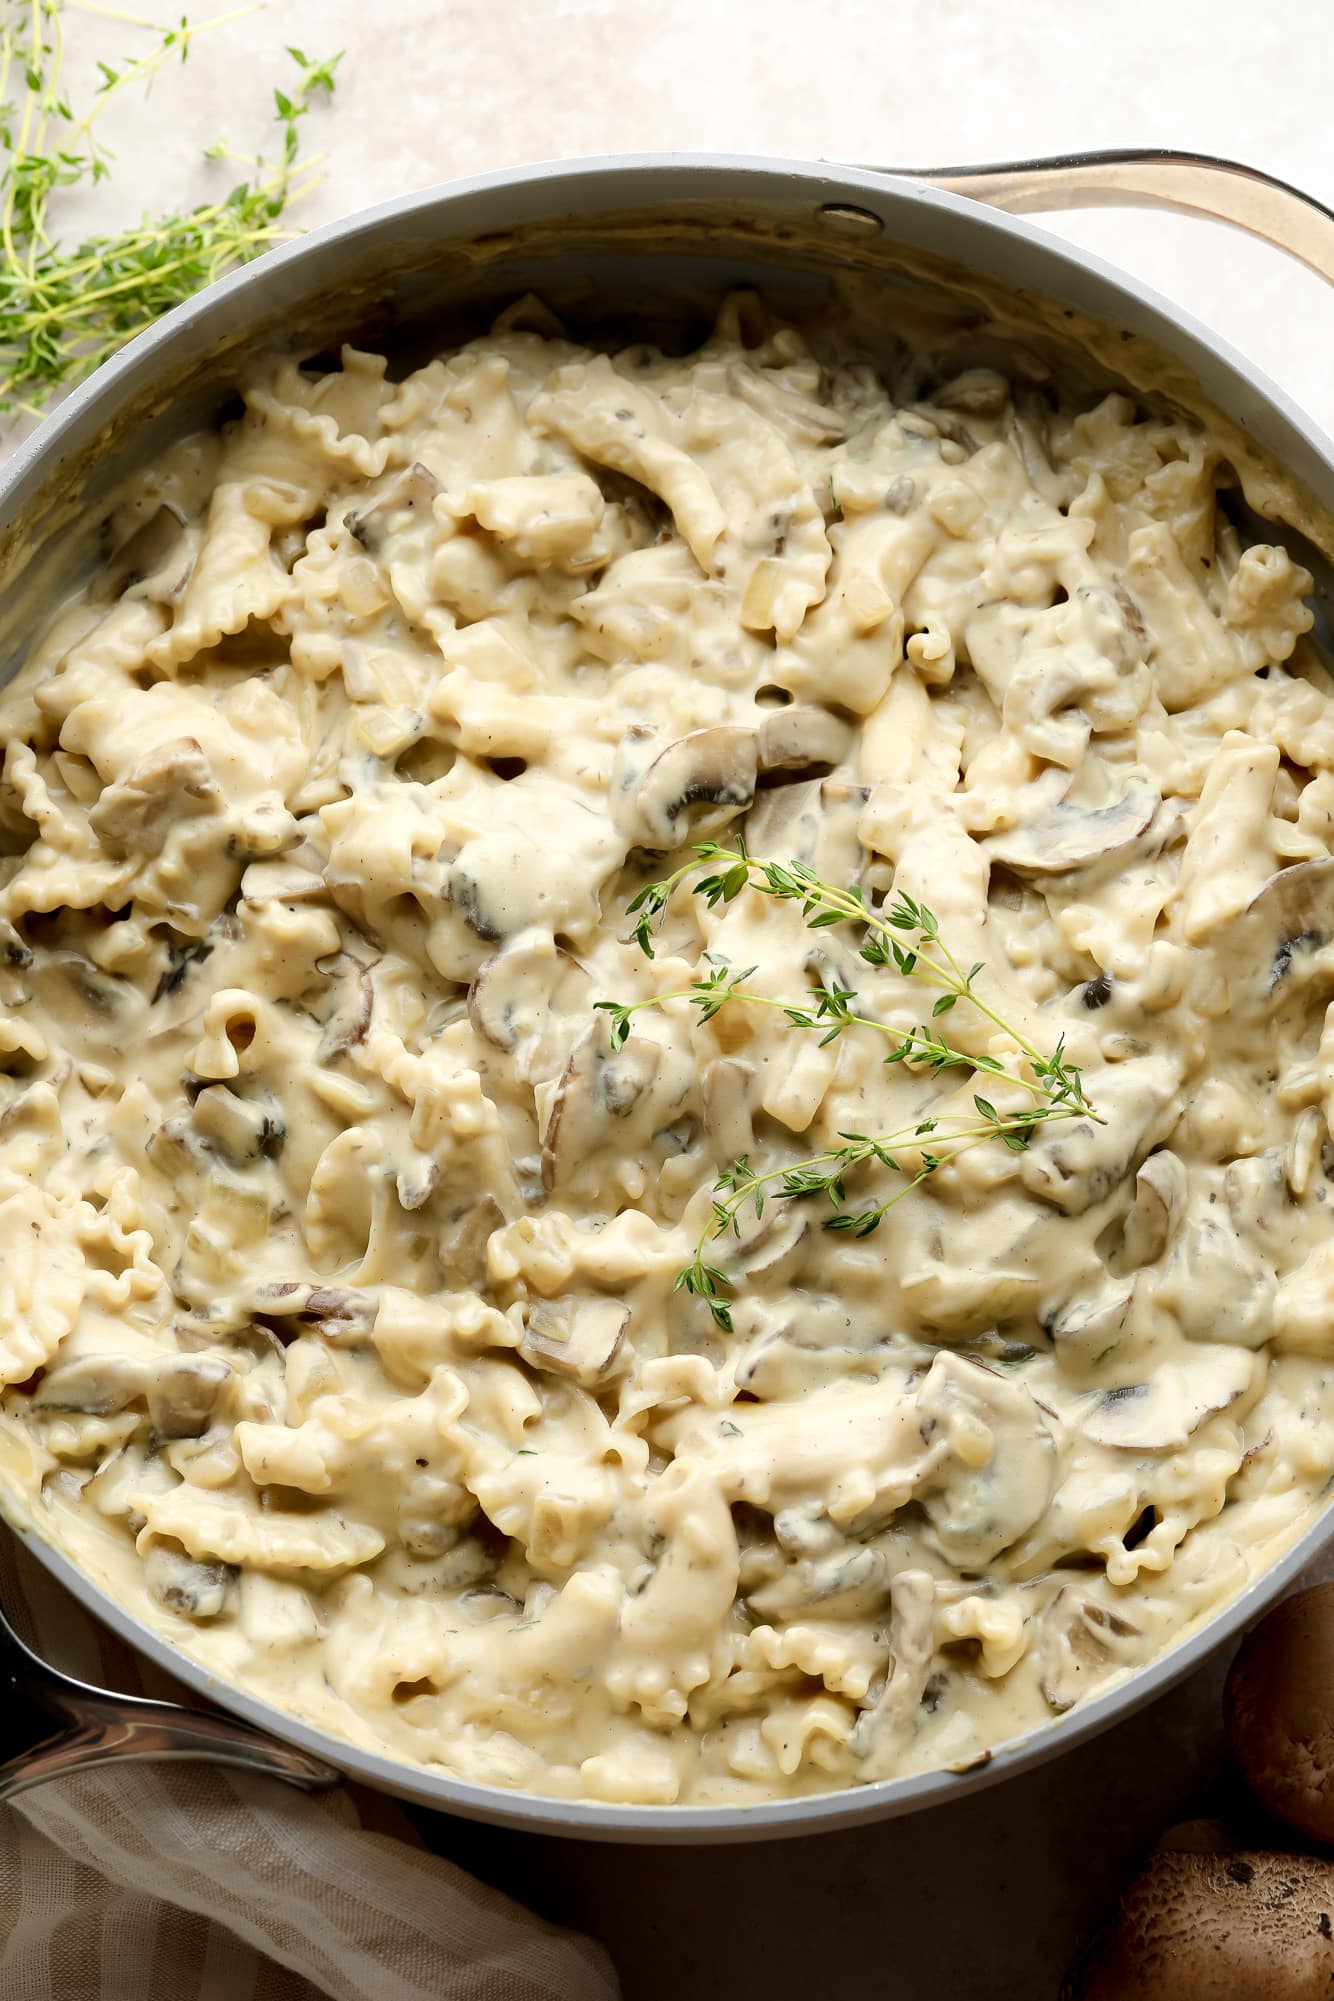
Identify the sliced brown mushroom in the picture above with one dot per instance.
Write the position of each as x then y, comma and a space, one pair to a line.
795, 738
181, 1391
825, 1572
237, 1128
292, 1307
813, 821
470, 886
693, 787
463, 1242
1160, 1198
982, 392
882, 1727
726, 1088
1089, 1329
1076, 1164
1289, 917
579, 1337
1160, 1414
949, 1296
13, 950
354, 1005
169, 783
598, 1086
770, 1250
175, 1148
1259, 1203
416, 1180
185, 1394
519, 991
96, 1385
1069, 840
410, 488
1081, 1643
281, 882
194, 1590
144, 555
1214, 1281
997, 1474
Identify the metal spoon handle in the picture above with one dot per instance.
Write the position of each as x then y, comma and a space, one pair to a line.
118, 1728
60, 1725
1189, 183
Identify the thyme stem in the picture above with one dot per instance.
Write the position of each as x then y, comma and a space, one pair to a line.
825, 1004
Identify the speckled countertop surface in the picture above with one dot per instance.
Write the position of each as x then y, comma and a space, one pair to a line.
988, 1897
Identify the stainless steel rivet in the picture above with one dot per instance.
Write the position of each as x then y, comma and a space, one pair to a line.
850, 221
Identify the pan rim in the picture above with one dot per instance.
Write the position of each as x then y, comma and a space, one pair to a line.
663, 177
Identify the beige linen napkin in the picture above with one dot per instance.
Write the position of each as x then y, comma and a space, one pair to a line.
193, 1883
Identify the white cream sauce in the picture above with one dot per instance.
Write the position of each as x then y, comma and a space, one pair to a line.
337, 1296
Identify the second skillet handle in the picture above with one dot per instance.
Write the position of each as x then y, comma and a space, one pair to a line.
1190, 183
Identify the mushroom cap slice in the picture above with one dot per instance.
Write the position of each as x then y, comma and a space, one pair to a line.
999, 1468
959, 1299
1087, 1328
413, 486
518, 991
193, 1590
181, 1391
598, 1086
770, 1250
1204, 1922
794, 738
141, 559
340, 1317
463, 1242
171, 783
1076, 1164
1082, 1642
1067, 839
1160, 1414
725, 1089
1160, 1198
811, 820
1290, 915
579, 1337
1279, 1711
694, 787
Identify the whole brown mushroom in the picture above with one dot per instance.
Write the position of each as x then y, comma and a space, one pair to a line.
1203, 1921
1279, 1711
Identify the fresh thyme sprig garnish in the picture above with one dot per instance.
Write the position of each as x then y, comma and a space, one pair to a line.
905, 935
828, 1007
65, 309
826, 1173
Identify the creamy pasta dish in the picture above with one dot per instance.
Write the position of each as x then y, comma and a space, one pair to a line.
714, 1350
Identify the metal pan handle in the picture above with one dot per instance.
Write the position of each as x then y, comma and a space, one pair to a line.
1189, 183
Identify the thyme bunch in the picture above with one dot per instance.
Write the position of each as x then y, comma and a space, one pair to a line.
65, 308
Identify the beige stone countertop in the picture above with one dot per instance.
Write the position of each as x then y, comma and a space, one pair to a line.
988, 1897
